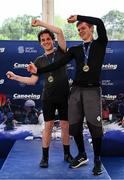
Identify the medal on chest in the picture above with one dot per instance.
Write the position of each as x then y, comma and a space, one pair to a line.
50, 60
50, 79
85, 67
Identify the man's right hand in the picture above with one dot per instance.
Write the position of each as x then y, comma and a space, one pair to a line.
32, 68
35, 22
11, 75
72, 19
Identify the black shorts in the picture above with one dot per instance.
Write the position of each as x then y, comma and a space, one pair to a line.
49, 109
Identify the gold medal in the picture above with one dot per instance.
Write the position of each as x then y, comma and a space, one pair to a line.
85, 68
50, 79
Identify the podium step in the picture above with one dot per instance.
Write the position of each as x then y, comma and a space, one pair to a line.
23, 163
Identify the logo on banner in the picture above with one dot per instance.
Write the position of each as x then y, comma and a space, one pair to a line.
2, 50
109, 50
109, 66
107, 83
22, 49
109, 97
20, 66
1, 81
26, 96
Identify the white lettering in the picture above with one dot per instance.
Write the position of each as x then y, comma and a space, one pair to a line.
26, 96
109, 66
109, 96
17, 66
2, 50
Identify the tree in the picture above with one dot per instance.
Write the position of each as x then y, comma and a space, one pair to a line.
114, 22
19, 28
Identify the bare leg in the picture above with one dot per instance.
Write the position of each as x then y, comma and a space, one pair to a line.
46, 137
65, 132
47, 133
65, 140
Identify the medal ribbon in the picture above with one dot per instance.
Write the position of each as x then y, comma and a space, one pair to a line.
86, 52
50, 61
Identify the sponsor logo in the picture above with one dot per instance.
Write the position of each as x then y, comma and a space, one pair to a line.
1, 81
109, 50
2, 50
22, 49
109, 97
30, 50
26, 96
20, 66
107, 83
109, 66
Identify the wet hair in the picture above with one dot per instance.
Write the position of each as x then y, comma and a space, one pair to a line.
45, 31
79, 22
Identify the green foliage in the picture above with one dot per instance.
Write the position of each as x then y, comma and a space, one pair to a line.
3, 37
114, 22
58, 21
71, 32
19, 28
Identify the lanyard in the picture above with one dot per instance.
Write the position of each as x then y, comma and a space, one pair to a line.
50, 60
86, 52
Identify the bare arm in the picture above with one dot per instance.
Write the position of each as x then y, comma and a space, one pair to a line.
54, 66
54, 29
27, 80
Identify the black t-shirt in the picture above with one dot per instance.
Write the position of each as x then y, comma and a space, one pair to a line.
58, 89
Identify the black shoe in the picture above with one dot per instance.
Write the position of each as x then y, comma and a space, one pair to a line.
44, 163
78, 161
97, 170
68, 158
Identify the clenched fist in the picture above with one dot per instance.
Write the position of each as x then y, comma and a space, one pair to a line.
32, 68
72, 19
35, 22
11, 75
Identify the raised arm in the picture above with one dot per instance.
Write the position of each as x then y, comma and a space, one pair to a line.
54, 29
27, 80
101, 31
